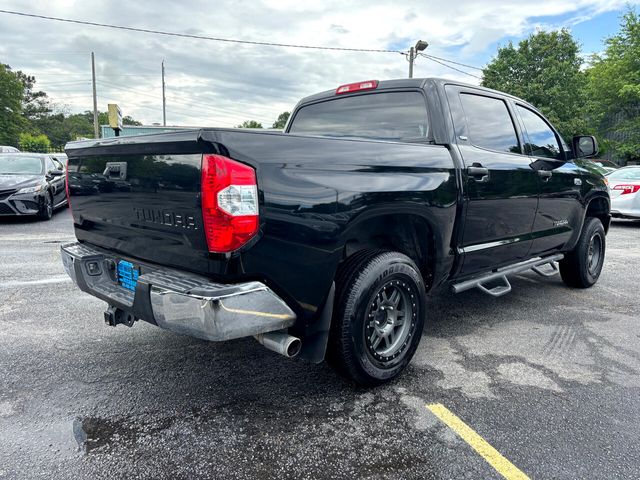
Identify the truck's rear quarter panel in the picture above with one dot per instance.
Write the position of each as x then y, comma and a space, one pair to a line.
316, 190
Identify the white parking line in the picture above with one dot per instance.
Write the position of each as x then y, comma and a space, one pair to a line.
36, 238
42, 281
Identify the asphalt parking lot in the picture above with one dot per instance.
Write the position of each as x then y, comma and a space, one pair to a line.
548, 376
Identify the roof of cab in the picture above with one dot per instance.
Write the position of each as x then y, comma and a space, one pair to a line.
403, 83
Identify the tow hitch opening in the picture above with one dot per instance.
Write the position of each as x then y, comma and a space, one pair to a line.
115, 316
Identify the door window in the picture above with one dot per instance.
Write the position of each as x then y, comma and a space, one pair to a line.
58, 165
542, 141
489, 123
50, 165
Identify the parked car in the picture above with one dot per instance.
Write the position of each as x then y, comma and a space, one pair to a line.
624, 188
31, 184
324, 240
606, 165
7, 149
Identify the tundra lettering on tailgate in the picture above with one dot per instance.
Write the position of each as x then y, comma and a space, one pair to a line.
166, 217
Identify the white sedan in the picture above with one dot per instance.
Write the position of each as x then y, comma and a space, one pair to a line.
624, 190
7, 149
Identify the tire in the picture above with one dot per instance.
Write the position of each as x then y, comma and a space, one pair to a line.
47, 209
370, 343
581, 267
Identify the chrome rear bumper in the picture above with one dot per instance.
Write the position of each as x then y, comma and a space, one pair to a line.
181, 302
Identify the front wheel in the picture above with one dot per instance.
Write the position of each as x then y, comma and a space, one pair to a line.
581, 267
47, 208
378, 318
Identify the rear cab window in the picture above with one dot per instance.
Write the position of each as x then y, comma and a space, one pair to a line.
395, 116
489, 123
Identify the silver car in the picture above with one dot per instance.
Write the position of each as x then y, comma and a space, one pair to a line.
624, 190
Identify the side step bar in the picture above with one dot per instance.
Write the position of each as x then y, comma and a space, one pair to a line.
501, 275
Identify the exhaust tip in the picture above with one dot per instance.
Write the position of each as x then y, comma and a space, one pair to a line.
294, 347
280, 342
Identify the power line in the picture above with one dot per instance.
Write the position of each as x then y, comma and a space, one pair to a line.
453, 68
451, 61
199, 37
173, 100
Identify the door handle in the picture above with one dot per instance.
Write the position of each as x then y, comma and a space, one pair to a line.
545, 174
478, 172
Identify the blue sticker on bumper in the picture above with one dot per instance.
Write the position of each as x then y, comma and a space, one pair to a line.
128, 275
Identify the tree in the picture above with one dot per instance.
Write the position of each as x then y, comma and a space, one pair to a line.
250, 124
23, 109
62, 128
35, 104
103, 119
34, 143
613, 89
11, 91
544, 70
281, 121
127, 120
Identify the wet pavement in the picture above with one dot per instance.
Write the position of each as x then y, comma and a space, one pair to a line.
549, 376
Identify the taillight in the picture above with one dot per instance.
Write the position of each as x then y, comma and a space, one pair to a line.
229, 203
627, 188
357, 87
66, 184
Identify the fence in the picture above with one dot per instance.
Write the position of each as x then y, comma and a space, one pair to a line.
59, 149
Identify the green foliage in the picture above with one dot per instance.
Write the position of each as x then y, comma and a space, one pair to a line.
33, 143
28, 110
250, 124
544, 70
11, 92
281, 121
35, 104
61, 128
613, 89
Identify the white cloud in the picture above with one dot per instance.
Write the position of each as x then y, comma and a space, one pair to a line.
221, 84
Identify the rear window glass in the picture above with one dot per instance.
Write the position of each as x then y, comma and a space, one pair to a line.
489, 123
382, 116
19, 165
626, 174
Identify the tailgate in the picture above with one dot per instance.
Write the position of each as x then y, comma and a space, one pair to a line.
140, 196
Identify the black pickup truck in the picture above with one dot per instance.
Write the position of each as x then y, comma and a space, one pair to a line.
325, 239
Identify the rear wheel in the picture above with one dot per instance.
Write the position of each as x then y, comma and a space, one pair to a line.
47, 208
378, 318
581, 267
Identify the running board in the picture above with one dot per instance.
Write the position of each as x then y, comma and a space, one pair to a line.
501, 275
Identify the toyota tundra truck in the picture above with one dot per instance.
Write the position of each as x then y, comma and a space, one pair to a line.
324, 240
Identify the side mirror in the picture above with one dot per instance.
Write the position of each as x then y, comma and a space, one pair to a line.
56, 173
585, 146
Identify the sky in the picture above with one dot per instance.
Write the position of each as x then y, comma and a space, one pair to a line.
220, 84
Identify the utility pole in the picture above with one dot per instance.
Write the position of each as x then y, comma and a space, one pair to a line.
164, 101
96, 131
413, 52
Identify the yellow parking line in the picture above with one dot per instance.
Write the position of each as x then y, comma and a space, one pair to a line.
507, 469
